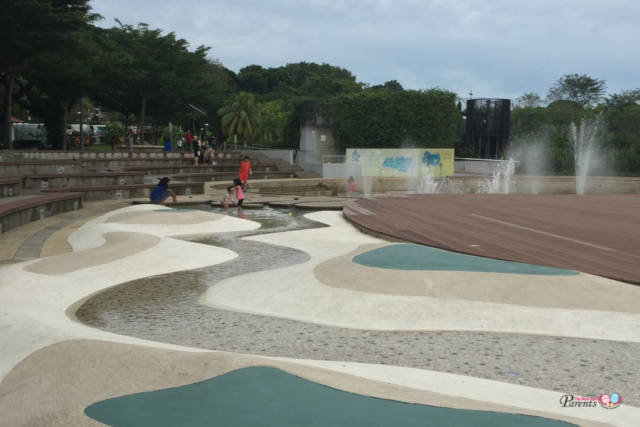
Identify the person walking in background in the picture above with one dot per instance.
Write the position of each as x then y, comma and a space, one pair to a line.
207, 156
195, 144
180, 144
188, 139
244, 171
162, 192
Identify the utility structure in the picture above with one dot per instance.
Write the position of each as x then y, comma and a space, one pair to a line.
487, 126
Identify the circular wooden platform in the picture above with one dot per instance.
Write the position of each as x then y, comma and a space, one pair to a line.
597, 234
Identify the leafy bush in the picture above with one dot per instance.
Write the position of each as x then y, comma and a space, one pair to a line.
395, 118
113, 131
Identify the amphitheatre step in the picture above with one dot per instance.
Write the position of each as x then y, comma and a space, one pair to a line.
19, 210
129, 191
227, 176
60, 166
10, 186
296, 186
45, 181
178, 169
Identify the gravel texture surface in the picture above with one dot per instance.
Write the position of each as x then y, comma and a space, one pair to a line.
165, 308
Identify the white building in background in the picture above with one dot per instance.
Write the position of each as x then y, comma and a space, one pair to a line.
316, 142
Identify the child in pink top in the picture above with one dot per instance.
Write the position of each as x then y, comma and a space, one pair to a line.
239, 193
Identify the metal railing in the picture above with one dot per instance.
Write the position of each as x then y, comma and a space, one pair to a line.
331, 158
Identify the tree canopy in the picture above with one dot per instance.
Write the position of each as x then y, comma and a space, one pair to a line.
579, 88
30, 30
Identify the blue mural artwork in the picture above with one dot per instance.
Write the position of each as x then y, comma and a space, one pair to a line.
401, 164
355, 156
429, 159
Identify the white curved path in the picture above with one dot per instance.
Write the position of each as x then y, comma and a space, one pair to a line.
296, 293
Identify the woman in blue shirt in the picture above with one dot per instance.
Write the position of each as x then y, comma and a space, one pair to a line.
162, 192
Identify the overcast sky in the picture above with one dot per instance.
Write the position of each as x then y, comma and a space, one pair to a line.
495, 48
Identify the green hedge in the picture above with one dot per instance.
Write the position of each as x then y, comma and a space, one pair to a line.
387, 118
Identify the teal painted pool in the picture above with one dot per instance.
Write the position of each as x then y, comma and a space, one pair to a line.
263, 396
407, 256
174, 210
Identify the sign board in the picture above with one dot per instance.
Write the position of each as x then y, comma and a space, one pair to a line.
402, 162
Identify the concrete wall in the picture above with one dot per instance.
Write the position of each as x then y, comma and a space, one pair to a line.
453, 184
402, 162
315, 167
286, 155
316, 140
340, 170
480, 166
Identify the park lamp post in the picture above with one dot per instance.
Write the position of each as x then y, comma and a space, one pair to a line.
80, 115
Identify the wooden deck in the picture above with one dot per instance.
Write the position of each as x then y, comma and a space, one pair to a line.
597, 234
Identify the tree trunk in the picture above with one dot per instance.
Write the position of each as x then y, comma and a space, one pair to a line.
8, 102
64, 114
143, 107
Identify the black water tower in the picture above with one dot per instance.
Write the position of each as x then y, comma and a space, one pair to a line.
487, 126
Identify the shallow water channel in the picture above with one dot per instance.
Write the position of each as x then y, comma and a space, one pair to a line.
165, 308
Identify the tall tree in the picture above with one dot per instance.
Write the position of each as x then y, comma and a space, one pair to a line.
579, 88
29, 28
528, 99
241, 116
56, 82
157, 71
273, 119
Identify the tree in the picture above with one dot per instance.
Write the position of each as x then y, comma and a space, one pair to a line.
623, 99
241, 116
157, 71
305, 79
30, 28
578, 88
273, 120
390, 85
56, 82
528, 99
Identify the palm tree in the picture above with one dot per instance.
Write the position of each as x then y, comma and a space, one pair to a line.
241, 116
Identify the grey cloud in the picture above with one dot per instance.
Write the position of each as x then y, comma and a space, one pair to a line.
495, 48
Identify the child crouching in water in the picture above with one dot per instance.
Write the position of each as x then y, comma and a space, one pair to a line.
239, 193
228, 198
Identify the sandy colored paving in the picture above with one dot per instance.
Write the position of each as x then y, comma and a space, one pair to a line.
117, 245
584, 291
53, 386
165, 216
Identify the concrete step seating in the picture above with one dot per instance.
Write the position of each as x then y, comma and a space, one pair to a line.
21, 209
176, 169
129, 191
52, 181
227, 176
10, 186
37, 184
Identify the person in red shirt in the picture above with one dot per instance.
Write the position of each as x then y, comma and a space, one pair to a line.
188, 137
244, 171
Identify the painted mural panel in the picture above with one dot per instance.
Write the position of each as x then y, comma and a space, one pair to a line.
402, 162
